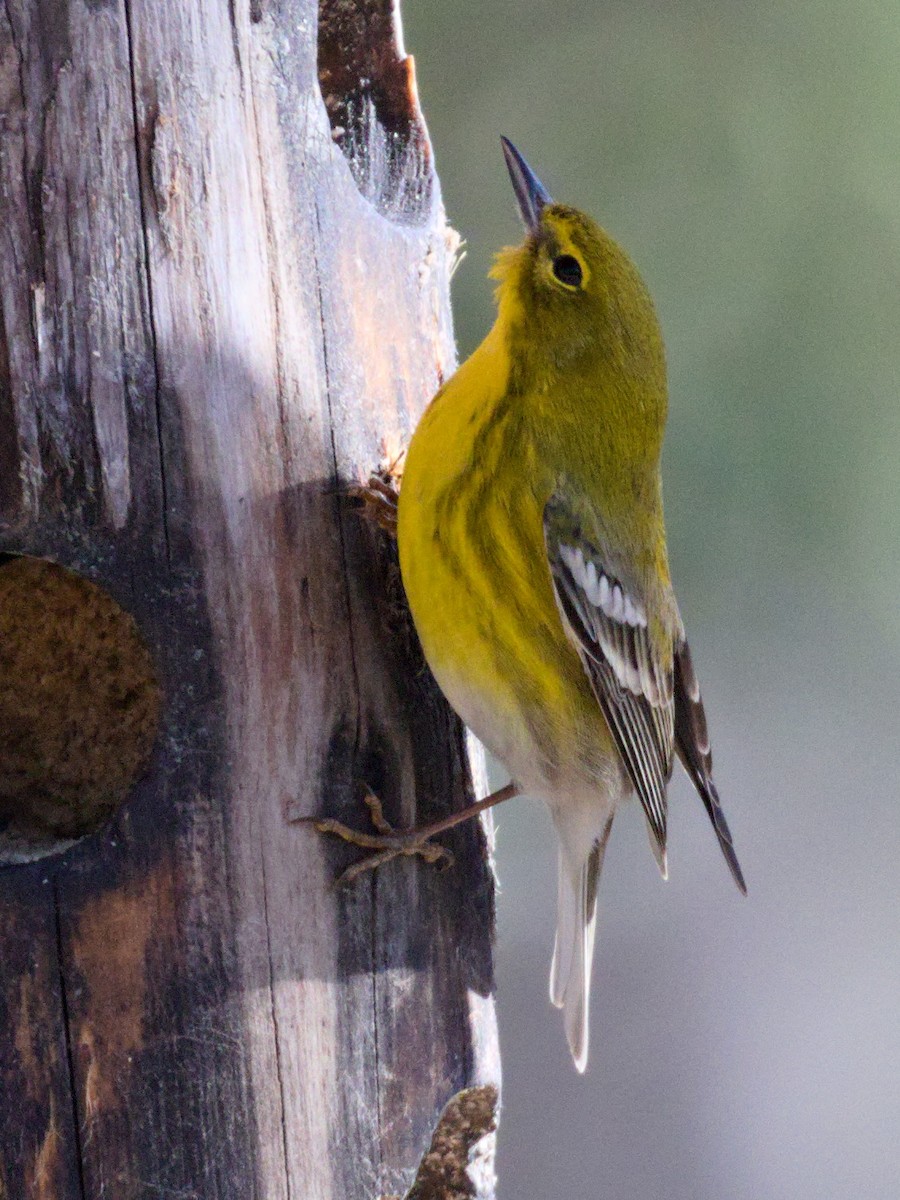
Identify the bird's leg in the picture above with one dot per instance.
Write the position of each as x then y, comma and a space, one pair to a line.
390, 843
380, 495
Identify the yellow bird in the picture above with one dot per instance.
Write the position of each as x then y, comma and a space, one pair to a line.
533, 553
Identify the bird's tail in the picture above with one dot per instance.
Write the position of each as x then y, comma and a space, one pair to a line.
573, 953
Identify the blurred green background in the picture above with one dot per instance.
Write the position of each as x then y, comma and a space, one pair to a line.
748, 156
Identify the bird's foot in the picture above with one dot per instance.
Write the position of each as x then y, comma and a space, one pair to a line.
386, 844
378, 498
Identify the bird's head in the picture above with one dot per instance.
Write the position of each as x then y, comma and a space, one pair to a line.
569, 297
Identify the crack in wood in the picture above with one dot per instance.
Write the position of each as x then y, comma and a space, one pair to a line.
10, 476
67, 1039
276, 1028
345, 558
148, 281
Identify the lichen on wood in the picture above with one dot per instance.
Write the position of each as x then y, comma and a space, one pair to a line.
79, 707
459, 1163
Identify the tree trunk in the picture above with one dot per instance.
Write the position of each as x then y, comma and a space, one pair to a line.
223, 294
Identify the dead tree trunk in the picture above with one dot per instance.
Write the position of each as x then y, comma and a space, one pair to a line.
223, 292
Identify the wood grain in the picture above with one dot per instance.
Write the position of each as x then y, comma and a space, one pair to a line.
211, 318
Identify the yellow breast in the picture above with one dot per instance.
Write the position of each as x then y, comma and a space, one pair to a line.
474, 567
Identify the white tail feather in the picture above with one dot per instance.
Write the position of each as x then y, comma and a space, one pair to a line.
564, 944
573, 952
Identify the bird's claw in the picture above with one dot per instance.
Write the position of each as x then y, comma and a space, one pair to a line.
379, 497
388, 843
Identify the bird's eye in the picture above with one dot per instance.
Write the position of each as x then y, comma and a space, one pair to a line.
567, 270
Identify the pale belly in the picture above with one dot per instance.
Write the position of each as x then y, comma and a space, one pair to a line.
550, 759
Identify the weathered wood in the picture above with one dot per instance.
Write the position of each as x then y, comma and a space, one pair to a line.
214, 306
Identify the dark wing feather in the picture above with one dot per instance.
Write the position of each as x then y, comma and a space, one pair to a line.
634, 689
692, 744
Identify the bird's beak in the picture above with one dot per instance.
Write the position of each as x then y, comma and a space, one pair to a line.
530, 192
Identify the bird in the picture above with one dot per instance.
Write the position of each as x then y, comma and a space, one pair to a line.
533, 554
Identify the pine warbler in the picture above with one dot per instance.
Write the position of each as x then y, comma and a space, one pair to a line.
533, 553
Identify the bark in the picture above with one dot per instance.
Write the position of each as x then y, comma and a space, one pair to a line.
223, 294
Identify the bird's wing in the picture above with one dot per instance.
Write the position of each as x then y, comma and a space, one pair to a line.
608, 623
692, 744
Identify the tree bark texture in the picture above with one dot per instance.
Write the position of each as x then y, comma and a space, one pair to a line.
223, 294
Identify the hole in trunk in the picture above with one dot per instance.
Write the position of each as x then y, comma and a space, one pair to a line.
369, 88
79, 707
